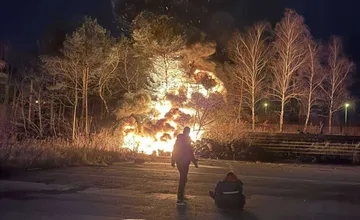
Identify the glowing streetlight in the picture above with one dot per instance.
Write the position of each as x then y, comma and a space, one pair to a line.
265, 107
347, 105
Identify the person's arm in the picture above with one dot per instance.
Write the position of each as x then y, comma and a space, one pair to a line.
193, 159
217, 187
172, 161
239, 185
173, 155
195, 163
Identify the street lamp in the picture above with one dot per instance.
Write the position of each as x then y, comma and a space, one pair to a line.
347, 105
265, 107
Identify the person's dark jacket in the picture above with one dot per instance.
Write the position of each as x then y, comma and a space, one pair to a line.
228, 193
182, 153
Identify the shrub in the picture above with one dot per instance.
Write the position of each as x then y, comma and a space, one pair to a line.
226, 129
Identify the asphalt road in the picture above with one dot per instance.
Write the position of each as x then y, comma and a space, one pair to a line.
148, 191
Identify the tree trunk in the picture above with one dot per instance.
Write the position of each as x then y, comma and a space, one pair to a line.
60, 112
308, 113
331, 113
253, 118
104, 104
253, 109
15, 104
30, 102
82, 116
281, 123
60, 117
74, 113
6, 98
330, 122
23, 111
85, 110
309, 98
87, 130
63, 112
241, 100
15, 100
41, 130
52, 116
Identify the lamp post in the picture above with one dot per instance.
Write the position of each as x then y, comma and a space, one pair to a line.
346, 112
265, 107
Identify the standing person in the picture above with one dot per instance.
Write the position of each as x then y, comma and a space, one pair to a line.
183, 155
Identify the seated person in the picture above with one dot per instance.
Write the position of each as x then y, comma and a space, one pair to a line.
228, 193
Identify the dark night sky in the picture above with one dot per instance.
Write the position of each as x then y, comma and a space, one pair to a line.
24, 22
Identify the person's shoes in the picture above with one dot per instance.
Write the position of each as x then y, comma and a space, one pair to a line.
180, 202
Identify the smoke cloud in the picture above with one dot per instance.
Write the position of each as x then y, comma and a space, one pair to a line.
134, 104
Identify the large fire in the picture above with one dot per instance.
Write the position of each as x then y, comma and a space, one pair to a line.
171, 109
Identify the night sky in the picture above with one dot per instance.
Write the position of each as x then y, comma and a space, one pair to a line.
24, 22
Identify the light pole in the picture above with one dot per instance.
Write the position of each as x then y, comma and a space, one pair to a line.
265, 107
346, 112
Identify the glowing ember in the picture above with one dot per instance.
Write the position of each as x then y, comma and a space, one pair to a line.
171, 111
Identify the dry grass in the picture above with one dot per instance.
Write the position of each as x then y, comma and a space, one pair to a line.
100, 150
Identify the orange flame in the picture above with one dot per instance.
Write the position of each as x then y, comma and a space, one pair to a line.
172, 113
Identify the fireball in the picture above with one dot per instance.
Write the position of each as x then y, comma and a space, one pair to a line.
171, 107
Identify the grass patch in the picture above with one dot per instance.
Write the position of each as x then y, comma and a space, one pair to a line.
98, 150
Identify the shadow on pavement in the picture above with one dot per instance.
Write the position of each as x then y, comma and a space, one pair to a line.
183, 213
238, 215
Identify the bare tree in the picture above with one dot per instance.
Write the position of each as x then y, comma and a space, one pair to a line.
125, 70
312, 78
65, 71
4, 94
107, 75
225, 129
90, 42
250, 53
290, 55
134, 66
79, 66
231, 75
206, 109
31, 103
335, 82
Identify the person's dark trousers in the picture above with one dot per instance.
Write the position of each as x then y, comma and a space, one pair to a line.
183, 171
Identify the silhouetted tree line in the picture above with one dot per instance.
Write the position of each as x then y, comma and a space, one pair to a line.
79, 88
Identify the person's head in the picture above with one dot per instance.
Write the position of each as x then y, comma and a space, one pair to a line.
230, 174
186, 131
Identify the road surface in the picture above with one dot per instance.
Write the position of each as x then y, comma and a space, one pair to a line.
148, 191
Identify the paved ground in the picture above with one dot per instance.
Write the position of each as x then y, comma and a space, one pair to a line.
147, 191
